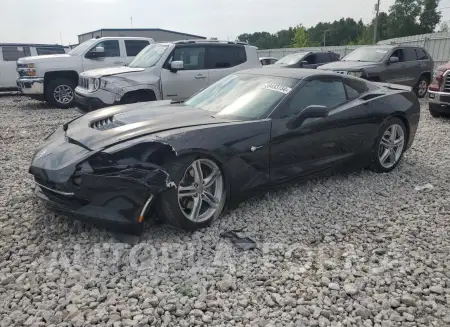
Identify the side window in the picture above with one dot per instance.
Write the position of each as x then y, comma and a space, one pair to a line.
421, 54
133, 47
13, 53
311, 59
111, 47
192, 57
334, 56
323, 58
225, 56
398, 53
354, 88
409, 54
327, 92
49, 50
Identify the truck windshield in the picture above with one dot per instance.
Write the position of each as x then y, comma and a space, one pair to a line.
372, 54
79, 50
149, 56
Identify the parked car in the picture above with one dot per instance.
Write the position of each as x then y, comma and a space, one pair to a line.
248, 132
267, 60
399, 64
163, 71
11, 52
53, 78
306, 59
439, 92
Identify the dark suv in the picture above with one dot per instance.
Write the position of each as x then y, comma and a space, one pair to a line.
397, 64
307, 59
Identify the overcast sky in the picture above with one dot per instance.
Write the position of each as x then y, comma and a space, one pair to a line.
56, 21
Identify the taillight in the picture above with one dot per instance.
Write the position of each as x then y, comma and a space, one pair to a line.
438, 79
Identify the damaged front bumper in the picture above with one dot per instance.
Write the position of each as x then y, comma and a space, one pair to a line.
118, 194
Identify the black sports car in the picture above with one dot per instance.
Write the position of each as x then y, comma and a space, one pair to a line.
249, 131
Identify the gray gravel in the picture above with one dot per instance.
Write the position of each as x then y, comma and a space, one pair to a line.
360, 249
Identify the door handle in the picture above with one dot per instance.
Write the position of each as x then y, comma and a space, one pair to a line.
200, 76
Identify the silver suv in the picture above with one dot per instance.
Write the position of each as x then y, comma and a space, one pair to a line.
407, 65
162, 71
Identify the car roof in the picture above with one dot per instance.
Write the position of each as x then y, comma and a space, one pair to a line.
123, 38
32, 45
391, 46
287, 72
261, 58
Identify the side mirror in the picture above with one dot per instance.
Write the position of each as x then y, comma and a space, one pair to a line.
176, 66
303, 62
99, 52
393, 60
313, 111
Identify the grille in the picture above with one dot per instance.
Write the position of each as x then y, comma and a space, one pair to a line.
22, 65
105, 123
83, 82
446, 86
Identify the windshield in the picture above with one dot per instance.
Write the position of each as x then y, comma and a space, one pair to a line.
79, 50
244, 96
149, 56
291, 59
372, 54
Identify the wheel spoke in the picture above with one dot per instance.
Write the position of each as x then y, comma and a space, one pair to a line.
384, 156
198, 174
385, 142
209, 181
211, 200
196, 206
392, 156
398, 141
185, 191
393, 135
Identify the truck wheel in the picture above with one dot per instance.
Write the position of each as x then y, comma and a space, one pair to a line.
422, 86
60, 92
434, 113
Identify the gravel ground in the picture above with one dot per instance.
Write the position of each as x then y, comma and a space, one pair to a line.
360, 249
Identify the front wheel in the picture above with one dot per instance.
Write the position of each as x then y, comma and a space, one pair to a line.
199, 196
60, 93
389, 146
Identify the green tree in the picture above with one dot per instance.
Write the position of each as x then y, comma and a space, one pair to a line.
430, 16
443, 27
300, 37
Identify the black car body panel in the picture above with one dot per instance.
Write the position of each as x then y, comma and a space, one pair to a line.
110, 164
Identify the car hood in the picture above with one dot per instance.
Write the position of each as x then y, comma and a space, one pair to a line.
343, 65
109, 71
106, 127
34, 59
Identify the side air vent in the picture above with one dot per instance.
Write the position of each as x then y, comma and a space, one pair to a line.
105, 123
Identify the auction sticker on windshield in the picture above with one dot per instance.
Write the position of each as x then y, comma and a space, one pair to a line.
277, 87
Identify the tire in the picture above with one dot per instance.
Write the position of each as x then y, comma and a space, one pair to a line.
137, 97
378, 165
433, 112
67, 92
171, 208
422, 86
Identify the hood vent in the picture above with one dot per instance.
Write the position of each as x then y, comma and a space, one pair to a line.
106, 123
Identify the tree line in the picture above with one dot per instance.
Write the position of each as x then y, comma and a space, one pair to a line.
404, 18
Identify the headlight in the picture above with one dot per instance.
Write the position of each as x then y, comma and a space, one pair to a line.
357, 74
94, 84
30, 65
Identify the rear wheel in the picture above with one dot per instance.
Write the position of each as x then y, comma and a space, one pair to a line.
60, 92
422, 86
199, 196
389, 146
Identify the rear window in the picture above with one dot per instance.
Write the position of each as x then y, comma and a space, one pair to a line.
135, 46
49, 50
225, 56
421, 54
354, 88
11, 53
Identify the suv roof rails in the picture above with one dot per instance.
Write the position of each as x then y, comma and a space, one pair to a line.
209, 41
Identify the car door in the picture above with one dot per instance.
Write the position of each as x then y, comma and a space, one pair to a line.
113, 56
8, 67
223, 60
318, 143
397, 72
312, 61
182, 84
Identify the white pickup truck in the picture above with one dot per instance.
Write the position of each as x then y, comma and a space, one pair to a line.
53, 78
